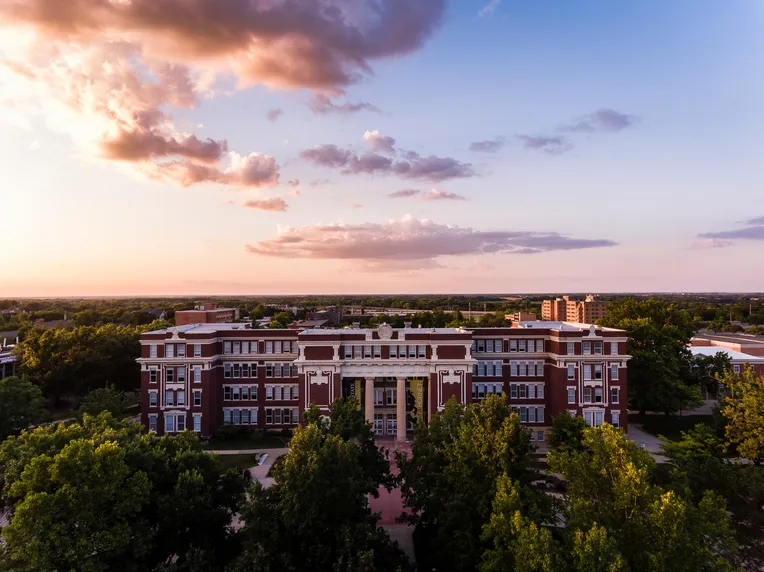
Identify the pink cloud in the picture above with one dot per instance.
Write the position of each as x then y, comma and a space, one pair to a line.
274, 204
436, 195
320, 103
377, 142
710, 243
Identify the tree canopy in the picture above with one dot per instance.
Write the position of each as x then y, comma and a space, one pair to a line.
21, 405
743, 406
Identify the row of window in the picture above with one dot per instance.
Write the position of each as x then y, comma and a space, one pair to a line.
176, 375
385, 397
592, 348
272, 392
594, 395
497, 346
375, 352
530, 414
175, 398
175, 423
593, 372
246, 370
177, 350
271, 347
273, 416
596, 418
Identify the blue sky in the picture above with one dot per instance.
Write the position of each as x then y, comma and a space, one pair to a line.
617, 207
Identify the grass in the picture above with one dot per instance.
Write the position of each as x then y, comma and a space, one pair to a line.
239, 461
670, 426
234, 442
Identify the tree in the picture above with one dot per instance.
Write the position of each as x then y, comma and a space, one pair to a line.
316, 515
567, 433
451, 479
21, 405
100, 495
743, 406
660, 372
105, 399
708, 369
610, 485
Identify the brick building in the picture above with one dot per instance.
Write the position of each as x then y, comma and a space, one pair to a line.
207, 313
743, 343
203, 376
586, 311
7, 360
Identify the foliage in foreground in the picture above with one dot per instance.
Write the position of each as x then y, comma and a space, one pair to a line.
21, 405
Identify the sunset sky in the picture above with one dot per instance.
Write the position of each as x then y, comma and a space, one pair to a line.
153, 147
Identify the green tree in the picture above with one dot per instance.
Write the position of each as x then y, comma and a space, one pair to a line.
595, 551
567, 433
97, 482
21, 405
660, 370
708, 369
743, 406
105, 399
316, 515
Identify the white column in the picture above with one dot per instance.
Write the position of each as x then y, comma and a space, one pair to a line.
370, 400
401, 409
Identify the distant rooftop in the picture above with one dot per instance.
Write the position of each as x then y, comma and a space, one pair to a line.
404, 330
203, 328
734, 338
562, 326
732, 354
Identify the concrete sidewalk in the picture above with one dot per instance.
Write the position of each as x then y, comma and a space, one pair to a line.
653, 444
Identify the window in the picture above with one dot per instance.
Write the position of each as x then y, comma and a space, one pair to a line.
587, 372
197, 398
254, 347
480, 346
245, 370
539, 435
277, 347
236, 370
181, 423
523, 369
378, 396
736, 368
521, 345
294, 347
571, 371
540, 369
277, 370
531, 414
227, 416
237, 347
391, 396
531, 392
269, 416
169, 398
587, 348
513, 369
597, 395
153, 423
598, 372
513, 391
169, 350
181, 375
269, 393
540, 391
366, 352
236, 416
481, 368
169, 375
392, 425
356, 352
152, 398
614, 348
253, 370
587, 394
277, 416
412, 352
253, 416
169, 424
498, 369
197, 423
615, 395
287, 414
268, 370
598, 348
615, 417
614, 372
245, 347
377, 352
571, 348
393, 352
152, 375
181, 397
571, 395
181, 350
513, 345
489, 346
539, 346
379, 420
523, 415
236, 393
269, 347
277, 393
197, 372
523, 391
153, 353
226, 347
226, 393
421, 351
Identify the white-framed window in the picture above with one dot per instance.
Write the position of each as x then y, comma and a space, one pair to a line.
169, 375
197, 374
226, 347
245, 393
614, 348
614, 372
253, 370
615, 395
152, 398
421, 351
227, 416
153, 423
197, 398
153, 354
393, 352
180, 397
598, 348
587, 372
379, 396
523, 369
169, 350
366, 352
180, 423
377, 352
236, 370
392, 425
169, 424
269, 347
169, 398
523, 414
512, 345
379, 421
571, 395
236, 347
539, 368
412, 352
245, 347
277, 347
587, 348
513, 369
521, 345
277, 393
227, 393
615, 418
513, 391
598, 372
181, 375
531, 415
481, 368
736, 368
181, 350
593, 418
357, 352
197, 423
391, 397
539, 435
227, 370
540, 391
481, 346
254, 347
597, 395
587, 394
571, 348
531, 391
153, 375
245, 370
268, 370
489, 346
269, 393
571, 371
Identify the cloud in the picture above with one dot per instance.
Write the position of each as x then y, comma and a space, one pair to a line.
710, 243
408, 240
34, 145
488, 8
490, 146
275, 204
414, 166
293, 182
379, 143
254, 170
319, 182
552, 145
436, 195
601, 121
273, 114
355, 205
294, 193
111, 72
320, 103
404, 194
753, 230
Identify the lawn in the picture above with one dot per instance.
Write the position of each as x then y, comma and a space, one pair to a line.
670, 426
239, 461
230, 443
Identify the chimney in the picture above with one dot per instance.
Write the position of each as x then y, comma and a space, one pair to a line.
407, 325
356, 325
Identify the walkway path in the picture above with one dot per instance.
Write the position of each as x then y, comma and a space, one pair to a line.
653, 444
260, 472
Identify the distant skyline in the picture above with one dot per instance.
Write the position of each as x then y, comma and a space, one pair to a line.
380, 146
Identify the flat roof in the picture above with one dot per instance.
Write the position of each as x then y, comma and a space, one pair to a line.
210, 310
732, 354
563, 326
734, 338
325, 331
204, 328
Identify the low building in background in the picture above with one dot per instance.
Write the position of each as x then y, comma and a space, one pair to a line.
518, 317
586, 311
7, 359
207, 313
743, 343
204, 376
738, 360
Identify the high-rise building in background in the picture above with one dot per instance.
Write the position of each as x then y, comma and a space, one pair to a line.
207, 313
204, 376
586, 311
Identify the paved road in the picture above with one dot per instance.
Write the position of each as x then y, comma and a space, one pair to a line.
652, 443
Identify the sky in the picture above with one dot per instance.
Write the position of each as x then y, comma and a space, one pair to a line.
173, 147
